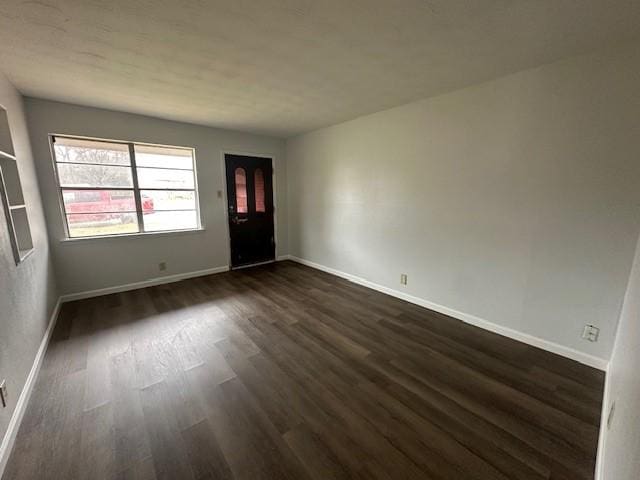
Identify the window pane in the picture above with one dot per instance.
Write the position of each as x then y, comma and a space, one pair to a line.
168, 220
89, 151
87, 201
164, 157
72, 175
163, 178
259, 190
95, 224
155, 200
241, 190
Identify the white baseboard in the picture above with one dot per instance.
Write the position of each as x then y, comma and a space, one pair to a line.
584, 358
602, 437
23, 399
280, 258
251, 265
145, 283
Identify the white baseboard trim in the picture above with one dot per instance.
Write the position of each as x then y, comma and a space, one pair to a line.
251, 265
602, 437
23, 399
145, 283
584, 358
280, 258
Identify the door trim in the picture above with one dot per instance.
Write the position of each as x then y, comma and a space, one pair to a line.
257, 264
225, 200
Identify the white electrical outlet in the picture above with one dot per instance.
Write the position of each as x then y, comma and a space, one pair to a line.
403, 278
590, 333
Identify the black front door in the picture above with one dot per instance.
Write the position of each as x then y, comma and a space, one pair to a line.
250, 203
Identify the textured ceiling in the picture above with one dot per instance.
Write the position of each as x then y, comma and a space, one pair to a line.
288, 66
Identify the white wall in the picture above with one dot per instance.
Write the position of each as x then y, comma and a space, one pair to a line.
27, 291
84, 265
516, 201
621, 443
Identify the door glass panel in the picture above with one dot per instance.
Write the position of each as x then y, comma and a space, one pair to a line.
259, 190
241, 190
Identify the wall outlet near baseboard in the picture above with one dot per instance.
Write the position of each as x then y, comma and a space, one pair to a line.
591, 333
162, 266
403, 278
3, 393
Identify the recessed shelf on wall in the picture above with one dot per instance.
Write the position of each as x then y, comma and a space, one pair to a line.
6, 143
11, 192
11, 177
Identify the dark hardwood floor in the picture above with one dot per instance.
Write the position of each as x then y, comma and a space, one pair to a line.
282, 371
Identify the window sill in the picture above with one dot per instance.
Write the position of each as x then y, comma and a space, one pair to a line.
169, 233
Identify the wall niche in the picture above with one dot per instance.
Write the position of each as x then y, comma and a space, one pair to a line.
11, 192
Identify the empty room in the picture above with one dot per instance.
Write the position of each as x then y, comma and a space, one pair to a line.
296, 239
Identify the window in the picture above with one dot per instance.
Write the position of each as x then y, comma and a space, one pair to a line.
259, 190
241, 191
117, 188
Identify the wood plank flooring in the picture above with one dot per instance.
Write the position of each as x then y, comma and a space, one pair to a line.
284, 372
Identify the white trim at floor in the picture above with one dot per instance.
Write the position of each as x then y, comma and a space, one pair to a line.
23, 399
145, 283
257, 264
584, 358
604, 430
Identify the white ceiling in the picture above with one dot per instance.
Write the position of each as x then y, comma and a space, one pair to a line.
283, 67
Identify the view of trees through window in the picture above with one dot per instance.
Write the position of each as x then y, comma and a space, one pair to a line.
98, 179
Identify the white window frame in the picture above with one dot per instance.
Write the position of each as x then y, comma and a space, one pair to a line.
134, 188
